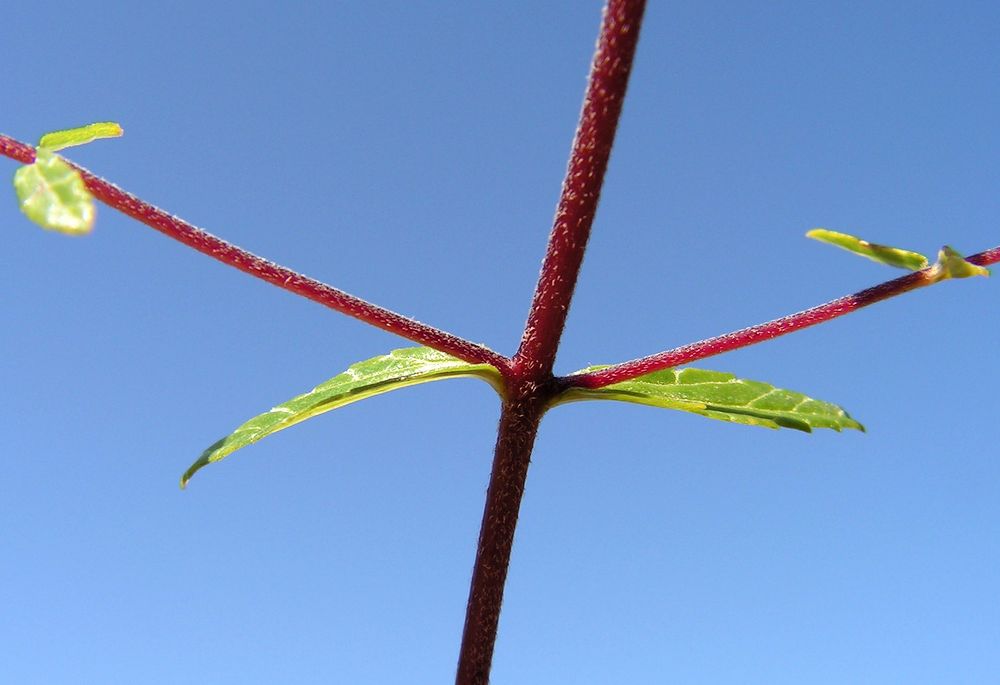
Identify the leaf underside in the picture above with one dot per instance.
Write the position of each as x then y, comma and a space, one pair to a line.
883, 254
398, 369
53, 195
720, 396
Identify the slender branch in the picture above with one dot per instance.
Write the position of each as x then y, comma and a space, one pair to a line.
764, 331
986, 257
227, 253
581, 189
15, 149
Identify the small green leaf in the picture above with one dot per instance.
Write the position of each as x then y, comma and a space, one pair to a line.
57, 140
398, 369
720, 396
950, 264
52, 194
883, 254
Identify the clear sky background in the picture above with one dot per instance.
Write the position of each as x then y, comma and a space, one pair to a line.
412, 153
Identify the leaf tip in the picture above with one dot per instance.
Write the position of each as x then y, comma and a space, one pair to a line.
193, 469
850, 423
206, 458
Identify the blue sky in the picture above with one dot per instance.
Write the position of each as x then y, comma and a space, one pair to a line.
411, 153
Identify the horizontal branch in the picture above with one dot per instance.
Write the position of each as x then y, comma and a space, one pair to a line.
764, 331
285, 278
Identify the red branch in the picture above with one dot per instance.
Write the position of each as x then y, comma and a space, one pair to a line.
227, 253
15, 149
581, 189
529, 375
761, 332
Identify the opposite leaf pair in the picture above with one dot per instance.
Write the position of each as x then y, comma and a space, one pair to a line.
708, 393
52, 193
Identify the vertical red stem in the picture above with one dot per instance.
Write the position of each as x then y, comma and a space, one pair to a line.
516, 435
581, 190
529, 380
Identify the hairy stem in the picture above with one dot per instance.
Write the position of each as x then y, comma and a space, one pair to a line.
227, 253
15, 149
764, 331
581, 188
515, 437
529, 381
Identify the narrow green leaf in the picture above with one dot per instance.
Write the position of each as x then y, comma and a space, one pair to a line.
950, 264
398, 369
52, 194
57, 140
720, 396
883, 254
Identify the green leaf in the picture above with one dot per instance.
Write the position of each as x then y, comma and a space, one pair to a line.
720, 396
398, 369
950, 264
883, 254
57, 140
52, 194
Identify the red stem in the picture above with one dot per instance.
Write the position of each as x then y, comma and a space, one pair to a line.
581, 189
529, 382
529, 375
15, 149
227, 253
761, 332
519, 420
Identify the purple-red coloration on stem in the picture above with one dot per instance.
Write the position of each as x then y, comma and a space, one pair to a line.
15, 149
530, 379
986, 257
528, 376
519, 418
761, 332
227, 253
581, 189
